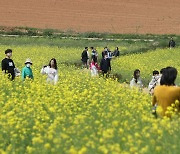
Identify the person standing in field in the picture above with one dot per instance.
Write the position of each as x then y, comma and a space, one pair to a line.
8, 66
167, 93
104, 52
27, 71
94, 54
109, 57
172, 43
51, 71
116, 52
136, 80
85, 57
104, 65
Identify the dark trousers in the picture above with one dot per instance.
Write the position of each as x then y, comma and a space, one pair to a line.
105, 73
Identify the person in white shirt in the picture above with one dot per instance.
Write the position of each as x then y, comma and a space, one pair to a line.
136, 80
51, 71
154, 82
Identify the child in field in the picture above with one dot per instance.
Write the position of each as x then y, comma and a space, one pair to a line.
94, 67
158, 78
51, 71
154, 82
27, 71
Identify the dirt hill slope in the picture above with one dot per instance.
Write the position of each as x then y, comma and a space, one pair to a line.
114, 16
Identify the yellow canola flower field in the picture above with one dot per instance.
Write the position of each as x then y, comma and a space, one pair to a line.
80, 114
147, 63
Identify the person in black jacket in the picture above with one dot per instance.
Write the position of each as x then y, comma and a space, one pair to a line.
104, 65
104, 52
94, 54
116, 52
7, 65
109, 57
85, 57
172, 43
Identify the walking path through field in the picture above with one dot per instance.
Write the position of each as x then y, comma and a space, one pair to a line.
83, 38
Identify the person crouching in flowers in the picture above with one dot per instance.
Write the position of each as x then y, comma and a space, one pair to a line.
167, 93
94, 67
51, 71
27, 71
136, 80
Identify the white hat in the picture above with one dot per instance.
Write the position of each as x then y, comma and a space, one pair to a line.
28, 61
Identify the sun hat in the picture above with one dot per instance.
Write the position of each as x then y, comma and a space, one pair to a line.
28, 61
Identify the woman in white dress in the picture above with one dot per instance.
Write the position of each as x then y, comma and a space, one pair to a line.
51, 71
136, 80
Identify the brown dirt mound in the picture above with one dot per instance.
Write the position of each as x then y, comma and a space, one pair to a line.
113, 16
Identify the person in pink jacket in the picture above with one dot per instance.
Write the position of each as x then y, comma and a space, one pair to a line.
94, 68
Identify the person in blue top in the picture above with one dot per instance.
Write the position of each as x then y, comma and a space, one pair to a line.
27, 71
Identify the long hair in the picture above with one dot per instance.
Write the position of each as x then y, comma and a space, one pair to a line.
55, 63
135, 74
168, 77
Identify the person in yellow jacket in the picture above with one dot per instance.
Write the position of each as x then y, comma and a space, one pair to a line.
167, 93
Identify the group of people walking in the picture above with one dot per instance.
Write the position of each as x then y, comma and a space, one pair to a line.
162, 86
8, 67
91, 59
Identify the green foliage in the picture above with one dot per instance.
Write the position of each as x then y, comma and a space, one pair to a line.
48, 32
15, 32
147, 63
32, 32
